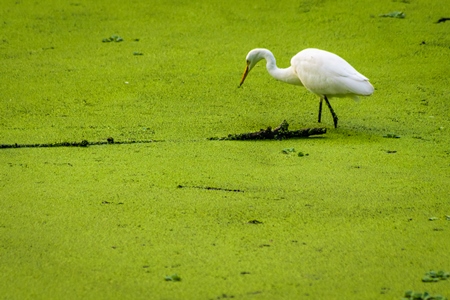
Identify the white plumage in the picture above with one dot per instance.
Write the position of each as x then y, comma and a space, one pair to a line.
321, 72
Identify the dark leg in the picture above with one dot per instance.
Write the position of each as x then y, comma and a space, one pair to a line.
335, 118
320, 109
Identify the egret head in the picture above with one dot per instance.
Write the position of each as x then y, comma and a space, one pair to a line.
253, 57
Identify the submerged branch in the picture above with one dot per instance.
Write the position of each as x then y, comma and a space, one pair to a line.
279, 133
83, 143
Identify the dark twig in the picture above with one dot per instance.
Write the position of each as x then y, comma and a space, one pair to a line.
83, 143
441, 20
210, 188
279, 133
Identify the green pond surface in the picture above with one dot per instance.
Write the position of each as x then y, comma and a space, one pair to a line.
363, 214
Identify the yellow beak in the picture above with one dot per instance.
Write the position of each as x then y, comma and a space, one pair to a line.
244, 75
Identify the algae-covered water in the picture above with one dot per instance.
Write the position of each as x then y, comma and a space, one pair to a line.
363, 214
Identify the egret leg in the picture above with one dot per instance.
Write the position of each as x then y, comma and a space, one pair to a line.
335, 118
320, 109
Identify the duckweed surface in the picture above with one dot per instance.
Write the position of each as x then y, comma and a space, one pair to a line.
350, 220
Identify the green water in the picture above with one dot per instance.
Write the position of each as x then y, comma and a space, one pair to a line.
241, 220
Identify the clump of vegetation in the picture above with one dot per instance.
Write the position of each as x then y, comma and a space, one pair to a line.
113, 38
434, 276
173, 277
288, 150
256, 222
292, 150
394, 14
410, 295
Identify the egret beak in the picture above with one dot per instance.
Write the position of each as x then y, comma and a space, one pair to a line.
247, 69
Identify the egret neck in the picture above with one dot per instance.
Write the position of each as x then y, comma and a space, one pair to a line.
287, 75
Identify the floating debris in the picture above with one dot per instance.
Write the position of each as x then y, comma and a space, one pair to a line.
288, 150
391, 136
279, 133
210, 188
422, 296
394, 14
113, 38
83, 143
442, 20
434, 276
173, 277
256, 222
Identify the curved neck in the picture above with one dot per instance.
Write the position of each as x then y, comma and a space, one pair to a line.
286, 75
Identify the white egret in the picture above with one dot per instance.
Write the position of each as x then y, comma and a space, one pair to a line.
321, 72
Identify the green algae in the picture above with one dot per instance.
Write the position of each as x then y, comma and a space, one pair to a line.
349, 222
394, 14
433, 276
422, 296
173, 277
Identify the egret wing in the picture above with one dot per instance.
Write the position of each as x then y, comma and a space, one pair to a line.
325, 73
